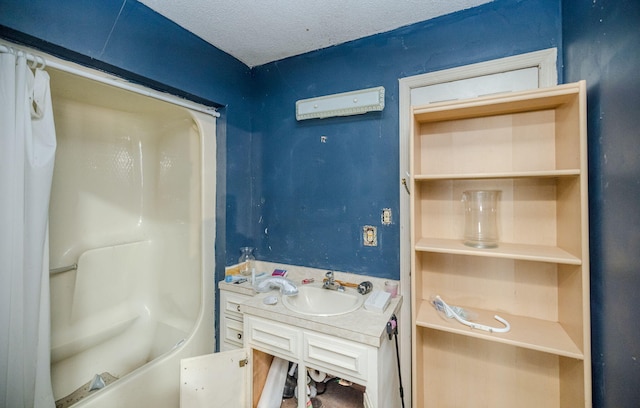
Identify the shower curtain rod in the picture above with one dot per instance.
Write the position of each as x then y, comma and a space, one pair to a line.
105, 78
37, 60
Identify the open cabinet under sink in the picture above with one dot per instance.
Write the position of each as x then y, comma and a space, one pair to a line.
236, 377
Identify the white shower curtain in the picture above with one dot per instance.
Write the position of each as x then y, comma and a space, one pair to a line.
27, 152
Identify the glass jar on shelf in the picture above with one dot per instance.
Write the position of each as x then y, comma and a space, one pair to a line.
481, 218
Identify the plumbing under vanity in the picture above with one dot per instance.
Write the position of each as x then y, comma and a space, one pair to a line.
344, 340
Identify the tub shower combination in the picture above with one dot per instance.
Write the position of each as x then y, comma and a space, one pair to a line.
131, 243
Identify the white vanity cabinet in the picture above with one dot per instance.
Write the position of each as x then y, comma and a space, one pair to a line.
235, 378
372, 367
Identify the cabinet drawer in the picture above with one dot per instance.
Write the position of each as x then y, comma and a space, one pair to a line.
335, 355
279, 339
232, 332
230, 304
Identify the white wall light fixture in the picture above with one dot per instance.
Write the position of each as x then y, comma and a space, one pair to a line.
341, 104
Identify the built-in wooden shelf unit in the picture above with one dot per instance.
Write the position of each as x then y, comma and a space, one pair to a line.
532, 147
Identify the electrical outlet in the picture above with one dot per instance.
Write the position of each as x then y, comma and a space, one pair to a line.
370, 235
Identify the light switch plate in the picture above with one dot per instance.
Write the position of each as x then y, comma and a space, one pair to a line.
386, 216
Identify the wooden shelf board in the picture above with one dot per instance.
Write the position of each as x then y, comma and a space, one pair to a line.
502, 175
538, 253
534, 334
500, 104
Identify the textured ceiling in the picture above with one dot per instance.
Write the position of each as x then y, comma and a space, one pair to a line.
258, 32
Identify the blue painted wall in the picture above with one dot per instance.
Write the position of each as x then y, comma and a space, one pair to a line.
312, 199
297, 200
601, 43
128, 37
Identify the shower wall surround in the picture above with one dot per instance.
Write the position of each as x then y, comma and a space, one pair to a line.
130, 40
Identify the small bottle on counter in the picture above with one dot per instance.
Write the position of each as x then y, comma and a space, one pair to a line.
246, 261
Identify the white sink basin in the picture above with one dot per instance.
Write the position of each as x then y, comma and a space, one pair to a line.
315, 301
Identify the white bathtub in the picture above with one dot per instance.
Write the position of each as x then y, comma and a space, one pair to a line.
133, 203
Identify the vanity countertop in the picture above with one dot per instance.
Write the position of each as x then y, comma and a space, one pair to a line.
363, 326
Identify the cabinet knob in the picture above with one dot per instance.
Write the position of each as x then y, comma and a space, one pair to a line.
239, 336
238, 307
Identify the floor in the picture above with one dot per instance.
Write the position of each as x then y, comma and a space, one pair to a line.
335, 396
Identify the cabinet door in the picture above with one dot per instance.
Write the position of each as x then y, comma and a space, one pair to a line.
218, 380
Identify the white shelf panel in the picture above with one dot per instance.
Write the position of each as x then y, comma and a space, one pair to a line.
501, 175
501, 104
538, 253
535, 334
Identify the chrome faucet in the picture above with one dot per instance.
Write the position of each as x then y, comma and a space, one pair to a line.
331, 284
